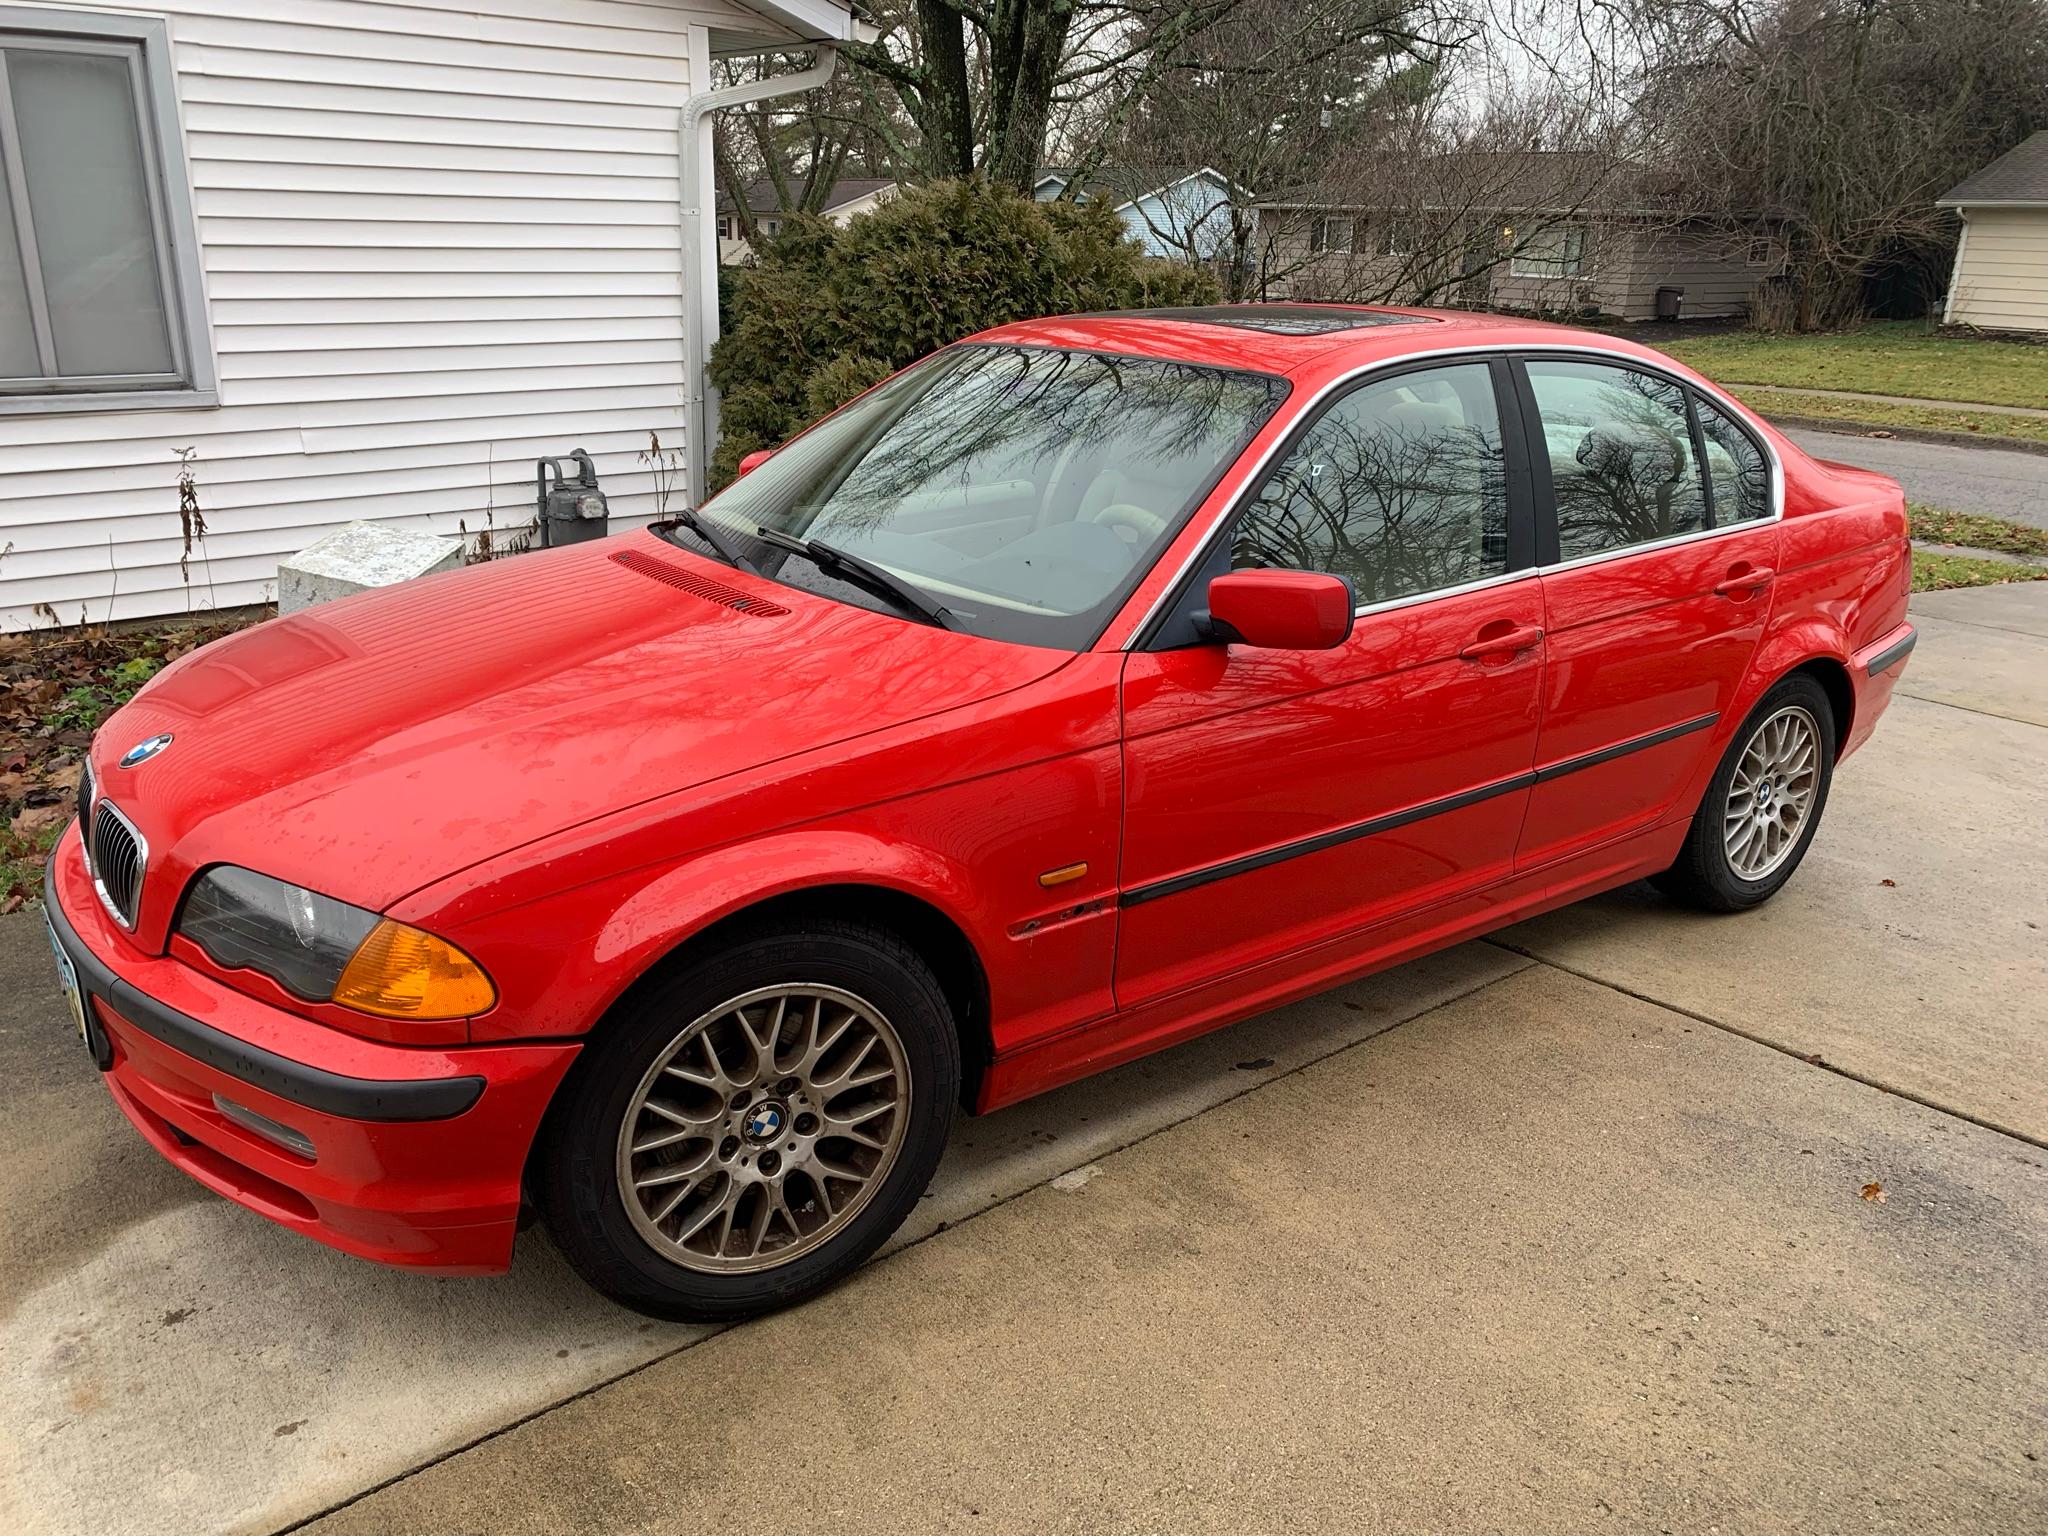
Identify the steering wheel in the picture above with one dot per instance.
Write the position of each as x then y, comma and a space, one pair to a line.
1133, 524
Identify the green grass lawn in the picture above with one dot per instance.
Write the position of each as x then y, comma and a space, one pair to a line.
1938, 573
1774, 403
1884, 357
1941, 526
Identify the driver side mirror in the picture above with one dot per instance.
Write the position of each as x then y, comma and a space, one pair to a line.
754, 461
1281, 610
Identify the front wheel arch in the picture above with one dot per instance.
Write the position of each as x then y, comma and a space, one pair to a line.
940, 941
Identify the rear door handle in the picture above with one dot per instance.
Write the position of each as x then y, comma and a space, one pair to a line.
1751, 580
1507, 643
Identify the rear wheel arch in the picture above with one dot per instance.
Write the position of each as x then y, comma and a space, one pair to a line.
1833, 678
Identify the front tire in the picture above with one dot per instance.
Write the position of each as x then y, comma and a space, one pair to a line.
1761, 810
746, 1130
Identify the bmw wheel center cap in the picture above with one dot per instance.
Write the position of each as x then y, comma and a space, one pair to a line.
143, 751
764, 1122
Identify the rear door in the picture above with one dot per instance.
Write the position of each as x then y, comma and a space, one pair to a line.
1281, 803
1659, 537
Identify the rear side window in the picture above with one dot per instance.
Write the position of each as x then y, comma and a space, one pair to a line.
1622, 469
1736, 468
1400, 485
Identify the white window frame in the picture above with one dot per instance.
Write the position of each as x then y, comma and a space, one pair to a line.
725, 226
1329, 221
146, 41
1554, 268
1398, 239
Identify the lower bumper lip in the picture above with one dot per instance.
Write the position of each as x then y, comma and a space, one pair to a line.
355, 1098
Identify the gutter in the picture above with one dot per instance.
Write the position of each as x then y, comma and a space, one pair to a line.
700, 235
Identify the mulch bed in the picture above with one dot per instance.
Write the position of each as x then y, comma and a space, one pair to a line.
55, 689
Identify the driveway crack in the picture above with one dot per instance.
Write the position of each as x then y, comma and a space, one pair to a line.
1805, 1058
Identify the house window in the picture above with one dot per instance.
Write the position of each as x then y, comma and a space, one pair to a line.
1757, 253
1398, 239
100, 304
725, 229
1559, 251
771, 226
1331, 235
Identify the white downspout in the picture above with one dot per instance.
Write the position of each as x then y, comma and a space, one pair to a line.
700, 237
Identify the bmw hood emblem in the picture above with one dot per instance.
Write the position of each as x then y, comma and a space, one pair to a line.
143, 751
764, 1121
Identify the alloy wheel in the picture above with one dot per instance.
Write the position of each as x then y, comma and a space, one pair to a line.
1771, 796
763, 1128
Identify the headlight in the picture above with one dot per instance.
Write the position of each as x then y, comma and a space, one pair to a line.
328, 951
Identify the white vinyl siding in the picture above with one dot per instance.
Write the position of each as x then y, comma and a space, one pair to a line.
439, 240
2001, 272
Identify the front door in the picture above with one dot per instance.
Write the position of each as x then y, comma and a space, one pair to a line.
1656, 527
1283, 801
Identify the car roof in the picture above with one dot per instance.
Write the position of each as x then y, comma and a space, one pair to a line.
1291, 338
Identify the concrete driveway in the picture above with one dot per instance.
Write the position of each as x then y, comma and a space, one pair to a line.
1558, 1232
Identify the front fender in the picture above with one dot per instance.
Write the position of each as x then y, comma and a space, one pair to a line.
560, 962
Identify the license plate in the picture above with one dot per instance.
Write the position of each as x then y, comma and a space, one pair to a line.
67, 977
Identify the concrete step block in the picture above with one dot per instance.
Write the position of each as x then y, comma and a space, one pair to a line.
358, 557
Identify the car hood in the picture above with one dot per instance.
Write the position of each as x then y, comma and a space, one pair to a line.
369, 746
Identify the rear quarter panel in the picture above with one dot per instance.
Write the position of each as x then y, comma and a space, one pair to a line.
1844, 575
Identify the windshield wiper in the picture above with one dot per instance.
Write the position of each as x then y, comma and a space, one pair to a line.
851, 568
720, 543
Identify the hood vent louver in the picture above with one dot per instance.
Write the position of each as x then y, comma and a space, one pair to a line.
698, 586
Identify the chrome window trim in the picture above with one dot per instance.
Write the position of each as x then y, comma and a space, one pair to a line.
1726, 402
102, 804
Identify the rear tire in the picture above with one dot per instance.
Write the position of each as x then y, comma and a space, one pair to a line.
1763, 806
745, 1131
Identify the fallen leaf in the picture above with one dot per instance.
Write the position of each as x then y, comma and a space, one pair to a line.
1890, 885
1874, 1192
37, 817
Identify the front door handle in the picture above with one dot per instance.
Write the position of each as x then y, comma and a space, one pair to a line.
1753, 579
1506, 643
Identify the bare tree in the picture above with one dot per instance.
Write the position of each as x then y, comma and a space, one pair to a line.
1837, 123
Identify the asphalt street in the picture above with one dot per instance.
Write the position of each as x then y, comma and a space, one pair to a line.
1997, 482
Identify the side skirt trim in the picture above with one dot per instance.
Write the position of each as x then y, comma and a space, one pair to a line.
1138, 895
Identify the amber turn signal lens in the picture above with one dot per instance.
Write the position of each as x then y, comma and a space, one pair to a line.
402, 973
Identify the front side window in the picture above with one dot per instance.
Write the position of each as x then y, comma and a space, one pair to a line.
93, 287
1619, 443
1026, 490
1559, 251
1400, 486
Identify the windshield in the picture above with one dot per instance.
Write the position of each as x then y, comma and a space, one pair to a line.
1023, 490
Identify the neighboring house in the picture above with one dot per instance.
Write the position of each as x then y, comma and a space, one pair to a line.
2000, 281
1182, 213
361, 260
1465, 237
847, 198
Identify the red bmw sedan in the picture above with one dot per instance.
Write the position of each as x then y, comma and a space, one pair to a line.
1095, 682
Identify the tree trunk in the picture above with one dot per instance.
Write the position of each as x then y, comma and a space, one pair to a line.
1026, 41
940, 103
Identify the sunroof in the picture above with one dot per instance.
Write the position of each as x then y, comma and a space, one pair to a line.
1275, 319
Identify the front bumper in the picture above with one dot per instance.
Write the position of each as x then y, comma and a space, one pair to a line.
416, 1152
